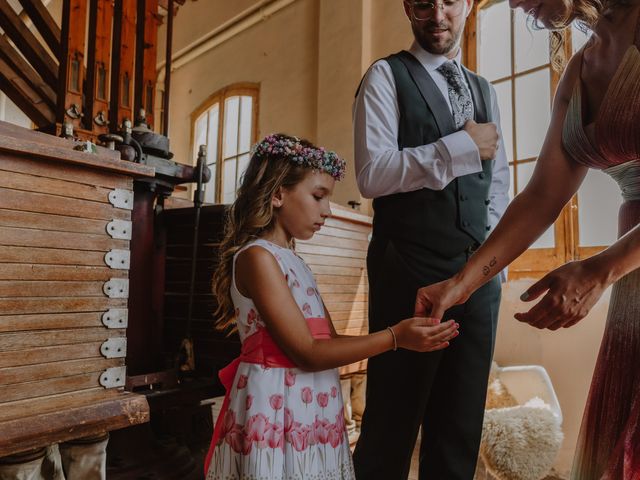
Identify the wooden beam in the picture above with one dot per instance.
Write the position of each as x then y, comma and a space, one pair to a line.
26, 98
9, 54
146, 47
28, 44
45, 24
123, 63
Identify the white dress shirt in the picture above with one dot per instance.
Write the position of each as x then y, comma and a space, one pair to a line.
383, 169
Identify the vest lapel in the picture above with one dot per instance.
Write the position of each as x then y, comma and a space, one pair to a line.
481, 99
430, 93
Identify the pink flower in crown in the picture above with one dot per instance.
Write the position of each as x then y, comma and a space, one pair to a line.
274, 435
242, 382
311, 291
288, 420
307, 395
252, 316
276, 401
306, 308
249, 401
334, 392
321, 430
289, 378
335, 436
256, 426
323, 399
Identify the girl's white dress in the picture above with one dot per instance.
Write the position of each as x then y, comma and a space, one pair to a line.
282, 423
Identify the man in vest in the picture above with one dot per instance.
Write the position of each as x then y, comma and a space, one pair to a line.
427, 150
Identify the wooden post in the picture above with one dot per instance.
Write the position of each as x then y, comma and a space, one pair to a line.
123, 65
145, 83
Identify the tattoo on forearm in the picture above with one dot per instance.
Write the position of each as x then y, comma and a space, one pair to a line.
487, 268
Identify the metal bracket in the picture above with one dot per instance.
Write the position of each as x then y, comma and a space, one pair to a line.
116, 318
116, 288
115, 347
121, 198
118, 259
120, 229
113, 377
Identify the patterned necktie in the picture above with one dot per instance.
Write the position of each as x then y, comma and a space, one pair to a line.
458, 93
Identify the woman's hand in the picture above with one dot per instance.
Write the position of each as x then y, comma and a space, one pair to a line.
435, 299
572, 290
424, 334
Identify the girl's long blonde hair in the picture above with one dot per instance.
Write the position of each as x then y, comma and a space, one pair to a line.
250, 216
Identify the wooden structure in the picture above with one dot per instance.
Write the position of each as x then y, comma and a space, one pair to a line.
65, 225
336, 255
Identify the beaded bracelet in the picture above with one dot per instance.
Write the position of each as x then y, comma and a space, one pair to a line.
395, 341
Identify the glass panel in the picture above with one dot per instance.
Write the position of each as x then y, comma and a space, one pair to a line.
533, 112
210, 188
494, 49
200, 135
74, 84
229, 181
231, 106
578, 38
598, 202
512, 183
547, 239
102, 83
246, 122
243, 162
126, 86
212, 136
149, 98
503, 91
531, 46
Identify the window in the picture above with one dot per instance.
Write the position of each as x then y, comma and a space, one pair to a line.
227, 124
525, 82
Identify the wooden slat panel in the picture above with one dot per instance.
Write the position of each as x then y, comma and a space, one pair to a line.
344, 306
13, 271
326, 260
69, 173
124, 410
15, 218
46, 289
58, 304
54, 353
345, 225
333, 270
46, 371
21, 391
330, 241
347, 297
48, 338
50, 256
32, 183
41, 203
354, 367
347, 316
48, 321
342, 233
29, 237
361, 288
335, 251
339, 280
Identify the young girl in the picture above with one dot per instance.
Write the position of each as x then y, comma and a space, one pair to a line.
282, 417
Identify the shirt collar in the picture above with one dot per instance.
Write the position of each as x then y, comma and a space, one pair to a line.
431, 61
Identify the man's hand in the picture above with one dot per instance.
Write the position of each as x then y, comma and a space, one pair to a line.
485, 136
434, 300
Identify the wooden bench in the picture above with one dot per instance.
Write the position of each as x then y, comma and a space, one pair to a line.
65, 225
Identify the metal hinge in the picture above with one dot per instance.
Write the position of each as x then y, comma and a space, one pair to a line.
120, 198
118, 259
115, 347
113, 377
116, 288
116, 318
120, 229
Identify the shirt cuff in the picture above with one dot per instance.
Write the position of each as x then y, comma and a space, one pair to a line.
464, 157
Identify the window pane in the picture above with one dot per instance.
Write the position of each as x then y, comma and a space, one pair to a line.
231, 107
533, 112
598, 202
243, 162
531, 46
246, 122
494, 50
503, 91
212, 137
578, 38
229, 181
525, 170
210, 188
512, 183
200, 135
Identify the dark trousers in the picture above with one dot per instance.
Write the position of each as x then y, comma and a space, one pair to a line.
444, 391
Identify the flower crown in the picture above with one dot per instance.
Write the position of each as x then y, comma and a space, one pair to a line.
304, 156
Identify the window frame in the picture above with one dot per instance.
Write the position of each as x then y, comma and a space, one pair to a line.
535, 262
246, 89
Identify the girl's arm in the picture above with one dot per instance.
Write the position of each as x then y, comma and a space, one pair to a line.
259, 277
555, 180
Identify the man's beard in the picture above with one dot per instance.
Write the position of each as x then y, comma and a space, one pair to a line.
450, 45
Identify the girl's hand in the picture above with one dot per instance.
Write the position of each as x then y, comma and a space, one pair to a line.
424, 334
572, 290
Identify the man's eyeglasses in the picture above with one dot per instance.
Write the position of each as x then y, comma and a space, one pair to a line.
425, 10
